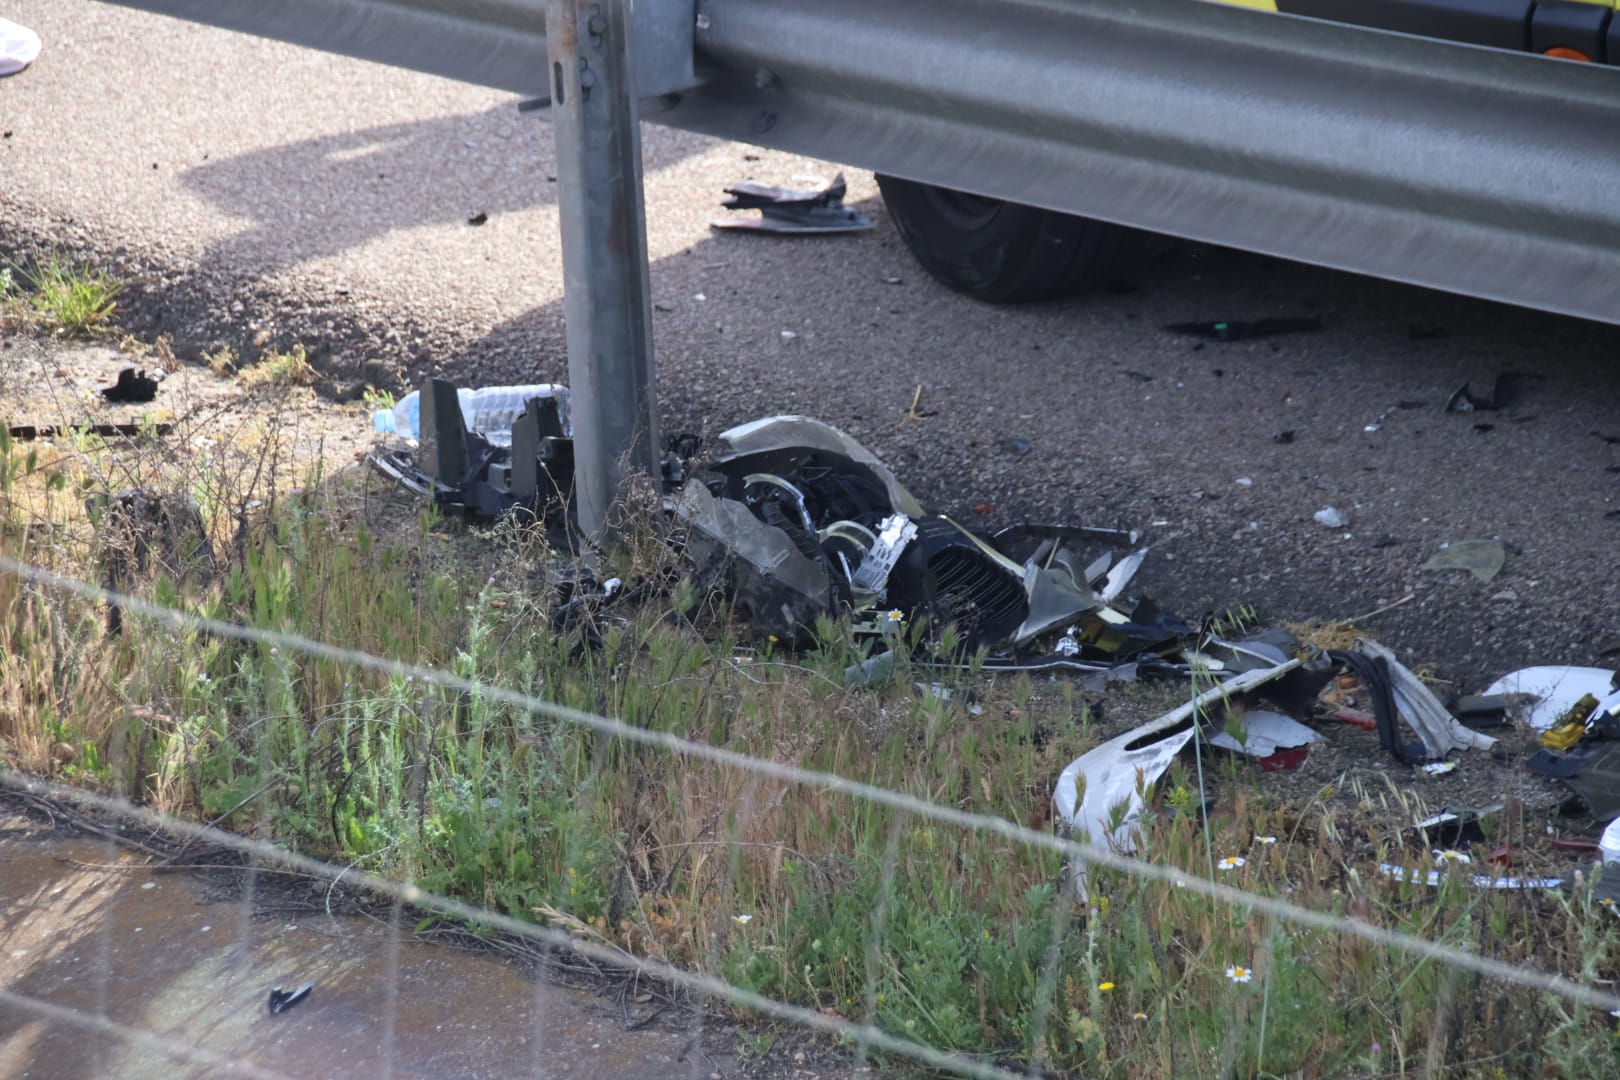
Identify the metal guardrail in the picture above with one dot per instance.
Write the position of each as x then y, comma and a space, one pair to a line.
1466, 169
495, 43
1472, 170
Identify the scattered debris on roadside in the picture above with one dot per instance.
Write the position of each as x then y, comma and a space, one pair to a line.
797, 523
1331, 517
1482, 558
1400, 406
1235, 330
1576, 711
1467, 399
788, 211
282, 1000
131, 388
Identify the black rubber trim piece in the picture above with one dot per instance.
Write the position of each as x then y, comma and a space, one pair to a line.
1374, 675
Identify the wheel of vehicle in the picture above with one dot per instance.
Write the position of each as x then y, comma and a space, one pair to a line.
999, 251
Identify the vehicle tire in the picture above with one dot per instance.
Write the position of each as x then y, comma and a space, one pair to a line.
1001, 252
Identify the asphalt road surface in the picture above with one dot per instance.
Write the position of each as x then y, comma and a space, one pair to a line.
249, 186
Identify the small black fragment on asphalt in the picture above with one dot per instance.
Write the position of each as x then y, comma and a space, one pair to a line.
1424, 332
1242, 331
282, 1000
1138, 376
1219, 373
1612, 515
784, 210
1386, 542
1612, 440
131, 388
1467, 399
1483, 428
1283, 438
478, 218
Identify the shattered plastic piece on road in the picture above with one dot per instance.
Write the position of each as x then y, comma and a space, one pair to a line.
1571, 727
1265, 733
780, 589
1482, 558
1478, 881
1481, 710
1540, 695
1330, 517
895, 532
19, 47
1119, 577
788, 211
1592, 776
282, 1000
780, 444
1118, 772
1459, 829
1440, 731
1240, 331
1466, 399
1609, 843
131, 388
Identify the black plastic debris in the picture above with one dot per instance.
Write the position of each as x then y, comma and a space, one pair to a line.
798, 522
105, 431
788, 211
1283, 438
465, 473
1481, 710
1496, 395
282, 1000
479, 218
1243, 331
131, 388
1453, 829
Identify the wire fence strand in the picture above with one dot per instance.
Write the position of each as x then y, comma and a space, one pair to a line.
865, 1035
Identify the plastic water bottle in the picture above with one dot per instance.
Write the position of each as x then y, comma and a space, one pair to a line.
490, 410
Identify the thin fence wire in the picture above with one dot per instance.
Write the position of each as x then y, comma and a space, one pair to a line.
865, 1035
411, 896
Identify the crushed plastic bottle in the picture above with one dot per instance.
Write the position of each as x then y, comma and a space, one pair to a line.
490, 410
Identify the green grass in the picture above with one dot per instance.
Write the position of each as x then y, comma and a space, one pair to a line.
956, 939
61, 296
278, 369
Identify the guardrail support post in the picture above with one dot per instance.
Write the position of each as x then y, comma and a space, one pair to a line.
607, 296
